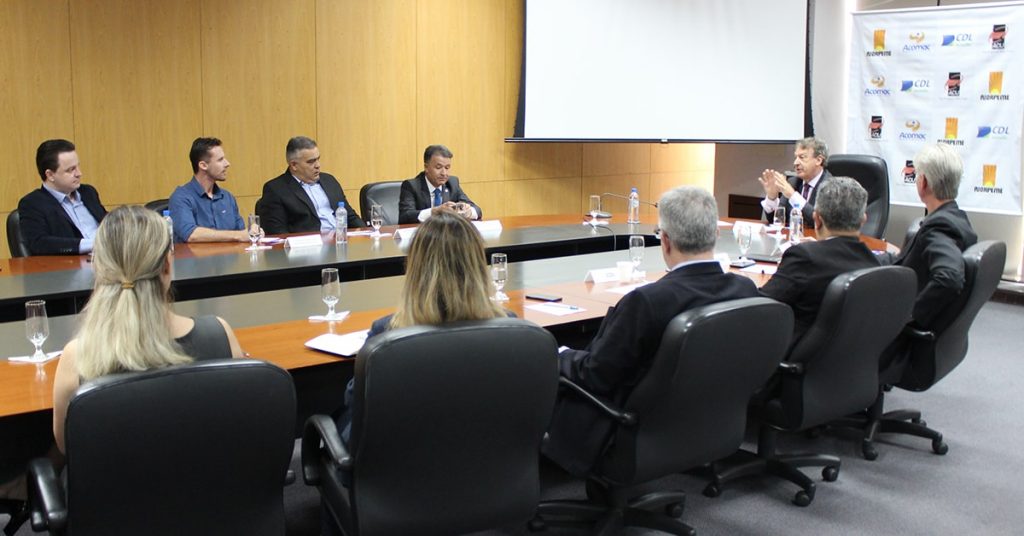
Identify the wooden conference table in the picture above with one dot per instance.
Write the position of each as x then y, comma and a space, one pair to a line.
225, 269
273, 325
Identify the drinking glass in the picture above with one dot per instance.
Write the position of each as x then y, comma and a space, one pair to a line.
37, 328
595, 207
779, 219
499, 273
376, 218
636, 253
330, 290
254, 232
743, 237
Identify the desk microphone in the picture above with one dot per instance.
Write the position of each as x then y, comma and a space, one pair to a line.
604, 214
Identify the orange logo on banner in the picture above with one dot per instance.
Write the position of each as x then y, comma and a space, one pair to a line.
988, 178
951, 127
995, 83
879, 39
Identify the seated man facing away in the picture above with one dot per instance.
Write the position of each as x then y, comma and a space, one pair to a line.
621, 352
935, 253
302, 199
807, 268
202, 211
61, 217
433, 187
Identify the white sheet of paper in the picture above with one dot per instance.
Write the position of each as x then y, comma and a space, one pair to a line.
556, 309
347, 345
28, 359
764, 269
488, 226
271, 240
405, 234
367, 233
302, 241
724, 224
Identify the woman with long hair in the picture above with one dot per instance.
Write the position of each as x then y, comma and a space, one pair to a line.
129, 324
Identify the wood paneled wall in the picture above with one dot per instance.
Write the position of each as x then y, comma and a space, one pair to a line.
132, 82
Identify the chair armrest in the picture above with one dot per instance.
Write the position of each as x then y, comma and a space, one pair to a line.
321, 430
919, 334
622, 417
795, 369
49, 510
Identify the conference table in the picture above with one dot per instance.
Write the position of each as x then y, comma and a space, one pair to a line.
273, 324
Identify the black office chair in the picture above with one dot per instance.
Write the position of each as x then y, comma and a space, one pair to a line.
158, 205
931, 355
690, 408
202, 448
14, 240
831, 372
873, 174
384, 194
446, 430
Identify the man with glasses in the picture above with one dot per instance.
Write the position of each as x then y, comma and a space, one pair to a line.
800, 190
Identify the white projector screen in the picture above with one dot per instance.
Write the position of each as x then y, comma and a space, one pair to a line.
678, 70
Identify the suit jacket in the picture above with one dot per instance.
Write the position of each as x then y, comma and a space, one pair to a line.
47, 229
285, 207
415, 196
935, 254
806, 271
621, 352
808, 211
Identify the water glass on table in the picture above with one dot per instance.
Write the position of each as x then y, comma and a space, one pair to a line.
499, 274
330, 290
636, 253
376, 218
37, 328
255, 232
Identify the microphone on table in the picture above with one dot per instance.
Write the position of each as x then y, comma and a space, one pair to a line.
605, 214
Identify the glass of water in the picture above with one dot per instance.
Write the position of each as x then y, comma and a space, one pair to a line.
37, 328
330, 290
636, 253
499, 274
255, 232
376, 218
743, 237
779, 219
595, 207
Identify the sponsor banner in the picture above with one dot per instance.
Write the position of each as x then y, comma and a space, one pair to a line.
942, 75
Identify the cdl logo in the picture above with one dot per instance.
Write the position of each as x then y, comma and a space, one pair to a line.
960, 39
999, 131
915, 85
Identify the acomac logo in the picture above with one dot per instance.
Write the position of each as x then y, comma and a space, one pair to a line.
875, 127
952, 128
998, 36
916, 43
909, 173
988, 180
878, 45
910, 132
879, 82
995, 87
953, 85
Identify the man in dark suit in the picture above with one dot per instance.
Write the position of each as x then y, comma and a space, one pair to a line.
302, 199
61, 217
807, 268
621, 352
800, 190
433, 187
935, 253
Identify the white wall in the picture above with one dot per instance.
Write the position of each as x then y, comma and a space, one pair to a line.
737, 166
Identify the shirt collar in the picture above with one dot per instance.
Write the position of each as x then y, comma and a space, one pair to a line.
197, 189
814, 181
305, 184
431, 187
689, 263
60, 196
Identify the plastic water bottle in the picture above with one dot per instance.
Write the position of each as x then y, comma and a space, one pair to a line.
633, 215
170, 226
341, 224
796, 225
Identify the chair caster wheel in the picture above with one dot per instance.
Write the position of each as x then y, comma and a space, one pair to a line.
830, 473
674, 510
939, 447
869, 452
712, 490
802, 498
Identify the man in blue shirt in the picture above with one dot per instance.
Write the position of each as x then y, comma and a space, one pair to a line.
61, 217
203, 211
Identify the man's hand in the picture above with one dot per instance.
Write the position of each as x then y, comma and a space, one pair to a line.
769, 179
783, 185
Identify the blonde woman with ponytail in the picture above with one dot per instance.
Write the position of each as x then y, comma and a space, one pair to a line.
128, 324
